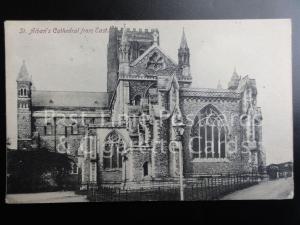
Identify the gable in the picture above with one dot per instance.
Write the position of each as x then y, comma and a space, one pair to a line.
153, 60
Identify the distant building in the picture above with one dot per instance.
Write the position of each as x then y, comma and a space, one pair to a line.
150, 90
280, 170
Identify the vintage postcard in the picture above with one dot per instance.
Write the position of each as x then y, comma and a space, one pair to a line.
149, 110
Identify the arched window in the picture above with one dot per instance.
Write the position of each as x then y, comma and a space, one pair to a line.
145, 169
137, 100
114, 145
25, 92
208, 134
21, 91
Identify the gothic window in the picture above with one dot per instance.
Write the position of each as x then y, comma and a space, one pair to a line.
25, 92
21, 91
155, 62
145, 169
114, 145
208, 134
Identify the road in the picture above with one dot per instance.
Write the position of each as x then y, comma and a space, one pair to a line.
273, 189
46, 197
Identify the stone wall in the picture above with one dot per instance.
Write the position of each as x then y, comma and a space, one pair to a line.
69, 131
138, 88
24, 124
138, 157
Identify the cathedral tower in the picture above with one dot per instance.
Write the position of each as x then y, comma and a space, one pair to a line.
131, 45
24, 108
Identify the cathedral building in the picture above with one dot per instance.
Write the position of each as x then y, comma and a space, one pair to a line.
135, 132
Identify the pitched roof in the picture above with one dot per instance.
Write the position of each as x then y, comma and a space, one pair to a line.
69, 99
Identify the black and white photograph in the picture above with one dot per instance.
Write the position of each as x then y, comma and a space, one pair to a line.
149, 110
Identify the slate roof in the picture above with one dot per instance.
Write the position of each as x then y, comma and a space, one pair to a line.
69, 99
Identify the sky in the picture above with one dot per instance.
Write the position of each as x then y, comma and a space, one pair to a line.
77, 62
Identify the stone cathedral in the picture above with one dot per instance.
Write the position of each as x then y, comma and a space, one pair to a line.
133, 132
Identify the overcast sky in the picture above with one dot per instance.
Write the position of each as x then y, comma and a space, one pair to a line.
259, 48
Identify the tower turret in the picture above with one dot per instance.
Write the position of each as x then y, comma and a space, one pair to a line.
24, 84
234, 81
124, 53
184, 56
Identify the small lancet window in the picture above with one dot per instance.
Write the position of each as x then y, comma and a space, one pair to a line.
48, 129
145, 169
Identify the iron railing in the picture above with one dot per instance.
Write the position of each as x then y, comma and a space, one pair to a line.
195, 188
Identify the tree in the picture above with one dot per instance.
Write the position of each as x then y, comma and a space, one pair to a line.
30, 171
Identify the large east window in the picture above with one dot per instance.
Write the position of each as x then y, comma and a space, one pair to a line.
208, 134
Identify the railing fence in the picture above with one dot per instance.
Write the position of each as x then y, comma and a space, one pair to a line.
195, 188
